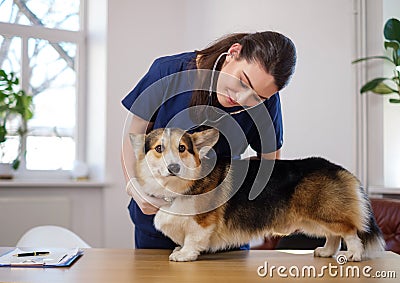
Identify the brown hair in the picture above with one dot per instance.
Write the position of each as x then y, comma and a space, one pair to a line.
275, 52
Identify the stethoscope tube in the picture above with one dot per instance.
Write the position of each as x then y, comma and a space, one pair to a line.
212, 76
209, 102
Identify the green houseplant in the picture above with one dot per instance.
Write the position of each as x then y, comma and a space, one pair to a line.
387, 85
16, 108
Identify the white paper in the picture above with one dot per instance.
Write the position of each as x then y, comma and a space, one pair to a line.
56, 257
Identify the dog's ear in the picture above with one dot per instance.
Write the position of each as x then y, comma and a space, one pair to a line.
205, 140
137, 141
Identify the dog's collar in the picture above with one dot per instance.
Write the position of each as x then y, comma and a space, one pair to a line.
168, 199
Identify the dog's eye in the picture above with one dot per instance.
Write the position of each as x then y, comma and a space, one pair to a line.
159, 148
182, 148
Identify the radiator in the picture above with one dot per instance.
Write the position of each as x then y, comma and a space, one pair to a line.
19, 214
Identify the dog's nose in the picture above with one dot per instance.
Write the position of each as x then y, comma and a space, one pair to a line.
174, 168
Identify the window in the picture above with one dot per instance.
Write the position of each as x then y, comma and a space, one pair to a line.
42, 41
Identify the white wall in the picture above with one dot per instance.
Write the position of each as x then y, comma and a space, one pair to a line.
318, 106
374, 107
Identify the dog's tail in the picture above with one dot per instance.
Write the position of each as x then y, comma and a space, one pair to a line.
371, 236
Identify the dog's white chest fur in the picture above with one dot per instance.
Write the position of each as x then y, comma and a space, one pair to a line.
174, 225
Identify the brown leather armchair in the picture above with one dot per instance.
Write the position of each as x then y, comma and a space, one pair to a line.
387, 214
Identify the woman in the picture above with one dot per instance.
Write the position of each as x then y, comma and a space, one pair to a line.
243, 98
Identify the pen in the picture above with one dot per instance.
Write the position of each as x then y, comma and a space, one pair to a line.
31, 254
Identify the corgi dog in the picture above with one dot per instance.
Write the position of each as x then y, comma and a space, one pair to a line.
217, 204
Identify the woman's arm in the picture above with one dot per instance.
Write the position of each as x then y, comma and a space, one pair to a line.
272, 155
128, 161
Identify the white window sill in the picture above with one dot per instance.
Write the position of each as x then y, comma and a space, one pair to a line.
385, 191
26, 183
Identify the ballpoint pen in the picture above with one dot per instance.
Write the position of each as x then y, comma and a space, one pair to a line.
31, 254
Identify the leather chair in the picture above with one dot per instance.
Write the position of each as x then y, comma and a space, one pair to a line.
387, 214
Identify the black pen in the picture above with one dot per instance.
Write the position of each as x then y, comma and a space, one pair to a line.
31, 254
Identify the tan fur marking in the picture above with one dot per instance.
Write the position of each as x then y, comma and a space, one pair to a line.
316, 199
209, 218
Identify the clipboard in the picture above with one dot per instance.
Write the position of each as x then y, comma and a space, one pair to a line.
53, 257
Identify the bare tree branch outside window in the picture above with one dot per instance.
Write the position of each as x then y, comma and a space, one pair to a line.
50, 72
24, 10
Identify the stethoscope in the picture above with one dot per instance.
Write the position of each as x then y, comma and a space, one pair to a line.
209, 105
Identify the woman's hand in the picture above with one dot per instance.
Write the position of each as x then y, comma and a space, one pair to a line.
147, 204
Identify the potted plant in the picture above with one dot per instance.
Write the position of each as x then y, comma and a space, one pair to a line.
387, 85
16, 108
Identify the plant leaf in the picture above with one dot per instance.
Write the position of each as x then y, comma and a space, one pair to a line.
16, 163
398, 57
4, 108
382, 88
391, 30
3, 133
394, 100
369, 86
392, 44
372, 57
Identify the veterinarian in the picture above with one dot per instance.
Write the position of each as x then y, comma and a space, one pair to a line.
262, 62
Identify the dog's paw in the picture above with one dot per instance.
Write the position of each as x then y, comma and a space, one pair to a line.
351, 255
177, 249
323, 252
182, 255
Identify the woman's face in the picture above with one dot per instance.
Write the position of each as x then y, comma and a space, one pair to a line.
241, 83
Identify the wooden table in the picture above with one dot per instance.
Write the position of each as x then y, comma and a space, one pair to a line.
117, 265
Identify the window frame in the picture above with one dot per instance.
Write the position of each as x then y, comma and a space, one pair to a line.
55, 35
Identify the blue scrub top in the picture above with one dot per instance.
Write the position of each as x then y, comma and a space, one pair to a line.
163, 96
